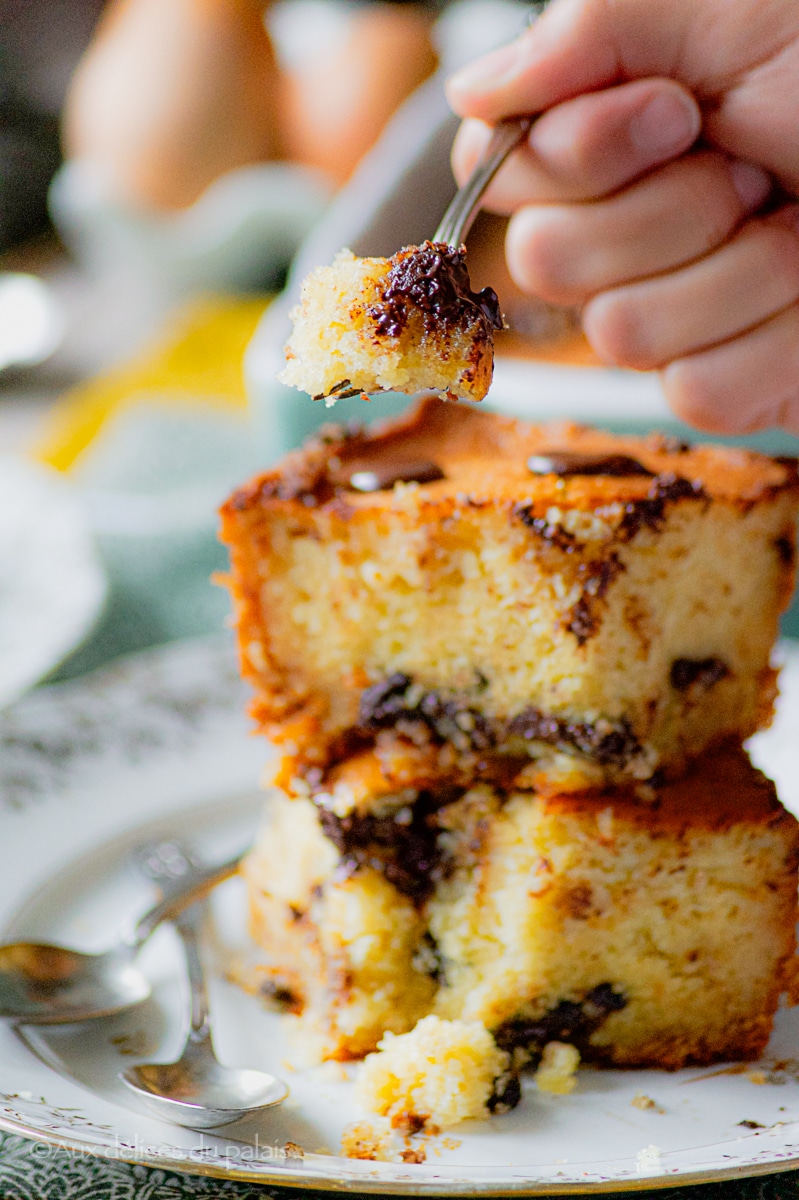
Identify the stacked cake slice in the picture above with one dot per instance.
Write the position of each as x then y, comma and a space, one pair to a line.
511, 668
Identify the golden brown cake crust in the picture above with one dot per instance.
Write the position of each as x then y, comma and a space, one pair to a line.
484, 457
719, 790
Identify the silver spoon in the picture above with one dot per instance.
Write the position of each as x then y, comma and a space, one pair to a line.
196, 1090
465, 205
43, 984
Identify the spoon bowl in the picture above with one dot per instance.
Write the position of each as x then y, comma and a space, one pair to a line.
43, 984
197, 1090
202, 1094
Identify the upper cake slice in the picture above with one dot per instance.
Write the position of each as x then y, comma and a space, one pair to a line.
476, 587
409, 323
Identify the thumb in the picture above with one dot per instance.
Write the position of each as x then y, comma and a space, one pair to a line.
576, 46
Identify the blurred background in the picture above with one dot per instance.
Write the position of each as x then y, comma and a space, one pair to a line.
169, 170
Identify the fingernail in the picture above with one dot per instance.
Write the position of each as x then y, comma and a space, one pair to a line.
667, 123
489, 72
751, 184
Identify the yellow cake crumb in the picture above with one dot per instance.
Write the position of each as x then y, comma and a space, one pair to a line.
558, 1068
439, 1074
371, 1140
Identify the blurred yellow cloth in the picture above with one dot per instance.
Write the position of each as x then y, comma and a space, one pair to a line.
199, 358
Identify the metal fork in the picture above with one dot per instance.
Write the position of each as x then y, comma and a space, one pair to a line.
465, 205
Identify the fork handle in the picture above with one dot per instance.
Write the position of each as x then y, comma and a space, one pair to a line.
465, 205
196, 885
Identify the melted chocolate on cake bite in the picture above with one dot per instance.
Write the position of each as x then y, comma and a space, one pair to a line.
433, 279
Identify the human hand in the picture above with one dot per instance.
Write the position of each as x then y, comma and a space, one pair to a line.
619, 207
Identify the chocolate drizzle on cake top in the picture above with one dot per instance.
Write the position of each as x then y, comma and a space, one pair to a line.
433, 279
569, 462
384, 475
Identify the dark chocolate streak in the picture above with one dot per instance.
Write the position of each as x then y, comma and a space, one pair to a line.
568, 462
432, 279
647, 513
702, 671
786, 551
280, 995
553, 534
650, 513
384, 705
570, 1021
429, 960
583, 619
384, 475
506, 1094
406, 852
608, 743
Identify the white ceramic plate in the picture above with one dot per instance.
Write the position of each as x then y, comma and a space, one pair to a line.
52, 586
158, 746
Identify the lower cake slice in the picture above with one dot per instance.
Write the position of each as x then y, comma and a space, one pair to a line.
658, 934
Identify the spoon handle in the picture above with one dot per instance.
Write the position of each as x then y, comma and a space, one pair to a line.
465, 205
188, 925
192, 886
